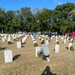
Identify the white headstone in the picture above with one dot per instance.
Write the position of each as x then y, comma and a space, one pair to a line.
3, 39
62, 38
8, 56
56, 48
46, 42
56, 37
67, 38
9, 39
13, 36
64, 41
39, 37
18, 44
71, 39
42, 39
51, 37
5, 36
37, 49
70, 44
23, 40
34, 42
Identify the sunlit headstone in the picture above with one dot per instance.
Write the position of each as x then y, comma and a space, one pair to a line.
46, 42
37, 49
70, 44
8, 56
18, 44
56, 48
64, 41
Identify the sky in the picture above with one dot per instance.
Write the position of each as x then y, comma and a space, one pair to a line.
18, 4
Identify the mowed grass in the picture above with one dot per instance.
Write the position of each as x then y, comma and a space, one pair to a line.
25, 62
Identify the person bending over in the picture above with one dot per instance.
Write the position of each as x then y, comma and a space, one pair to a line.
45, 50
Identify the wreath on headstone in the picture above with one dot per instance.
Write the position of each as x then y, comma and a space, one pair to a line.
72, 48
9, 42
57, 42
35, 44
40, 54
70, 41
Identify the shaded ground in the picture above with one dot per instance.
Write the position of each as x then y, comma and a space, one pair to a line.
25, 62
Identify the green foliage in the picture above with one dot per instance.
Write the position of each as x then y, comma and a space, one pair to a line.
61, 19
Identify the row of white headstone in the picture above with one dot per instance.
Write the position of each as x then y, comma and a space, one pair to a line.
56, 45
14, 36
8, 37
23, 41
36, 48
33, 39
47, 42
8, 53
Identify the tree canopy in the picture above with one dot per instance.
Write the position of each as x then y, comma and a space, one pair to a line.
61, 19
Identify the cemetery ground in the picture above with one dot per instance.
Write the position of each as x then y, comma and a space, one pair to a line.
25, 62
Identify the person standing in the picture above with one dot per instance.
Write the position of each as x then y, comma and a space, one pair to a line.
34, 34
49, 35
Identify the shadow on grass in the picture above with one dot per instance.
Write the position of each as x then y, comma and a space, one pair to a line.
24, 43
22, 46
16, 56
66, 47
3, 48
10, 43
47, 71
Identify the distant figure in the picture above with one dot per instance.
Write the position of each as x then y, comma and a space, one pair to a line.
46, 52
66, 35
20, 40
34, 34
49, 35
73, 34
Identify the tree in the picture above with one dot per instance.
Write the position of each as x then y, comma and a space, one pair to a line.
2, 19
44, 17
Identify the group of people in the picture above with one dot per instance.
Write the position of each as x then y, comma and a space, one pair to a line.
70, 35
44, 48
